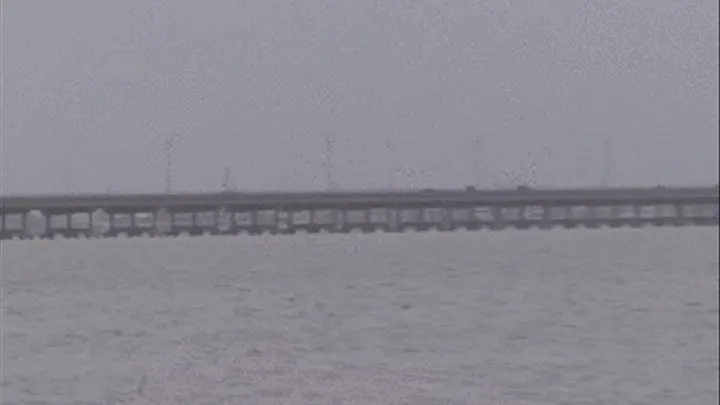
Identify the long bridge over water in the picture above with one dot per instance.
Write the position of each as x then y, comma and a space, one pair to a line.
132, 215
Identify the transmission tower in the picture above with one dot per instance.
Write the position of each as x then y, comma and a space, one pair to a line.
169, 146
227, 182
329, 149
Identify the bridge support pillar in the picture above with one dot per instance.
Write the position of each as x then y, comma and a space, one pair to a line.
546, 217
48, 223
336, 218
4, 233
172, 221
391, 215
90, 224
289, 223
446, 218
497, 216
216, 221
679, 211
23, 222
276, 219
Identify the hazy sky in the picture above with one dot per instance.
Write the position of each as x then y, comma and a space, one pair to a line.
456, 91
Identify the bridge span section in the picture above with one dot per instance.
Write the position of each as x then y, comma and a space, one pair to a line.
107, 215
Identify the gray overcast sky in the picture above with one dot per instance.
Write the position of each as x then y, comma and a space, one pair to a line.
456, 91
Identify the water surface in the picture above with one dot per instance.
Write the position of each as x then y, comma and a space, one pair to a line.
559, 317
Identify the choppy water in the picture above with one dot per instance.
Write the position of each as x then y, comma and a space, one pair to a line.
561, 317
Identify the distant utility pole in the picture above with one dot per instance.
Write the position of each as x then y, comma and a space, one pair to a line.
605, 163
329, 149
477, 161
227, 184
67, 178
169, 146
473, 152
393, 166
533, 174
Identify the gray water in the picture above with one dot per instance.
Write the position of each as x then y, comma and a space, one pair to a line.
560, 317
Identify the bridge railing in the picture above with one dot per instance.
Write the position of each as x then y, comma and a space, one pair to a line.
273, 200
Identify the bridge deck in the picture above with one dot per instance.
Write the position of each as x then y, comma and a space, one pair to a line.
367, 199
